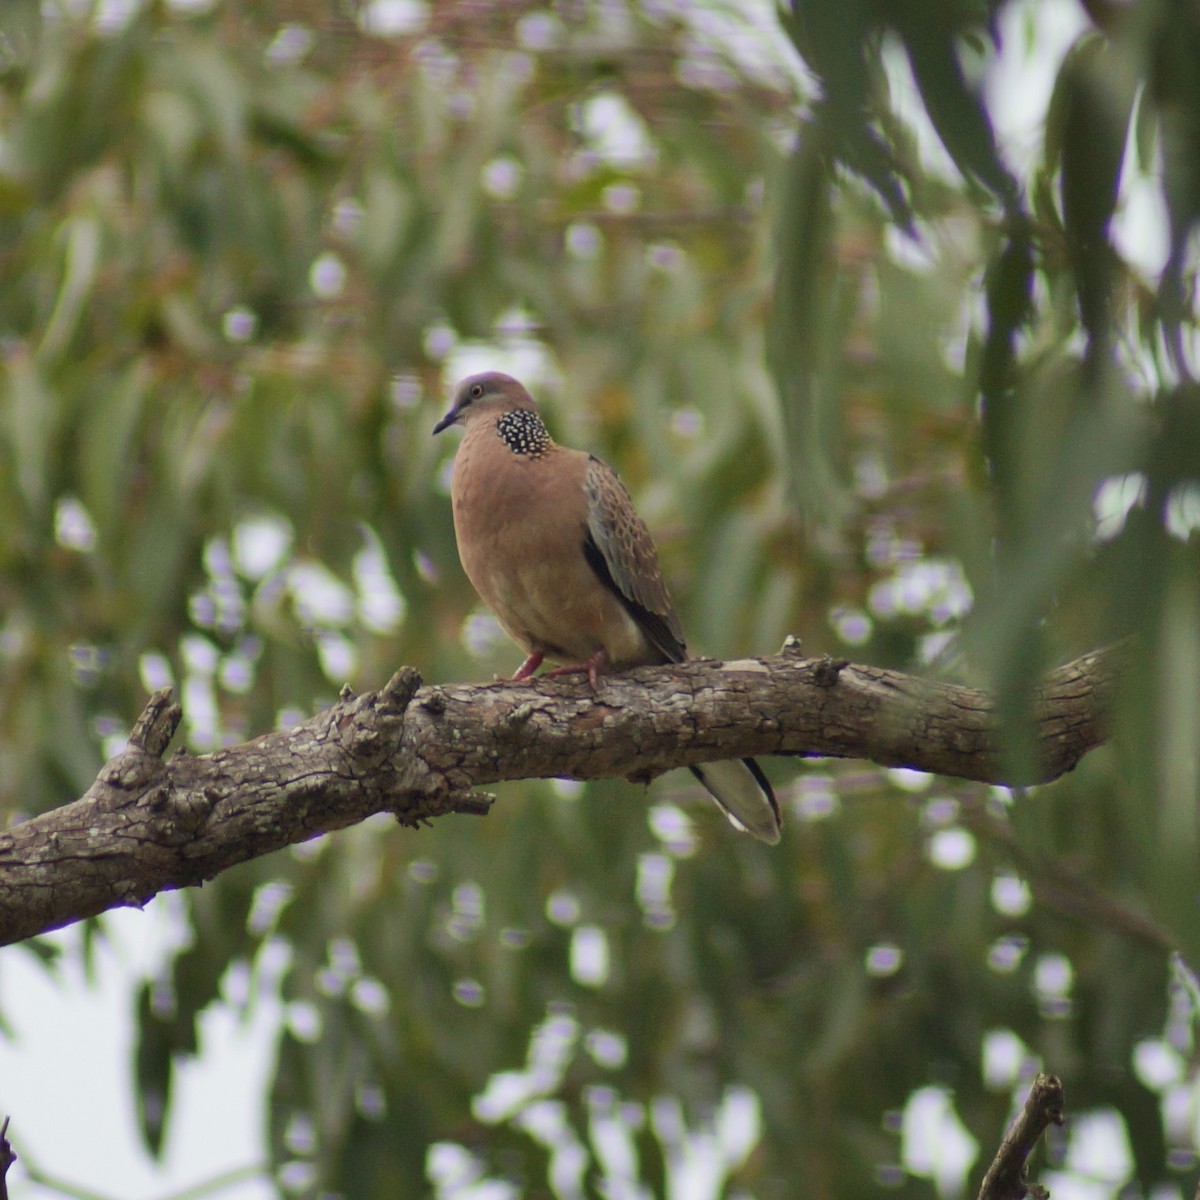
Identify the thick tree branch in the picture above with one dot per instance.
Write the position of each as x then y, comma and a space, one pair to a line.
147, 825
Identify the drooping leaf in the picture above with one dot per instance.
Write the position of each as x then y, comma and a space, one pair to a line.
954, 107
153, 1070
1098, 93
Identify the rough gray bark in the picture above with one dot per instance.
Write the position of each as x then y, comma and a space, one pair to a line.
148, 825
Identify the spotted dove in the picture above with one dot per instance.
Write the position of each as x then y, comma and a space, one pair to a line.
553, 545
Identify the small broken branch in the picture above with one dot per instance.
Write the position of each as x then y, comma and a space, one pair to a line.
147, 825
1006, 1178
8, 1156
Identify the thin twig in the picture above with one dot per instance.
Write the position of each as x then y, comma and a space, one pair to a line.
60, 1186
1006, 1178
195, 1191
218, 1182
1057, 887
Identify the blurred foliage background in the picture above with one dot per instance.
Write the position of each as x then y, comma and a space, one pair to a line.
887, 316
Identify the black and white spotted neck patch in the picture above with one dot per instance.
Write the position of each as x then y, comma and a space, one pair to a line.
522, 432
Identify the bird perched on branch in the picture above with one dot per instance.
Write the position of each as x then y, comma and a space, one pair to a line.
553, 545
